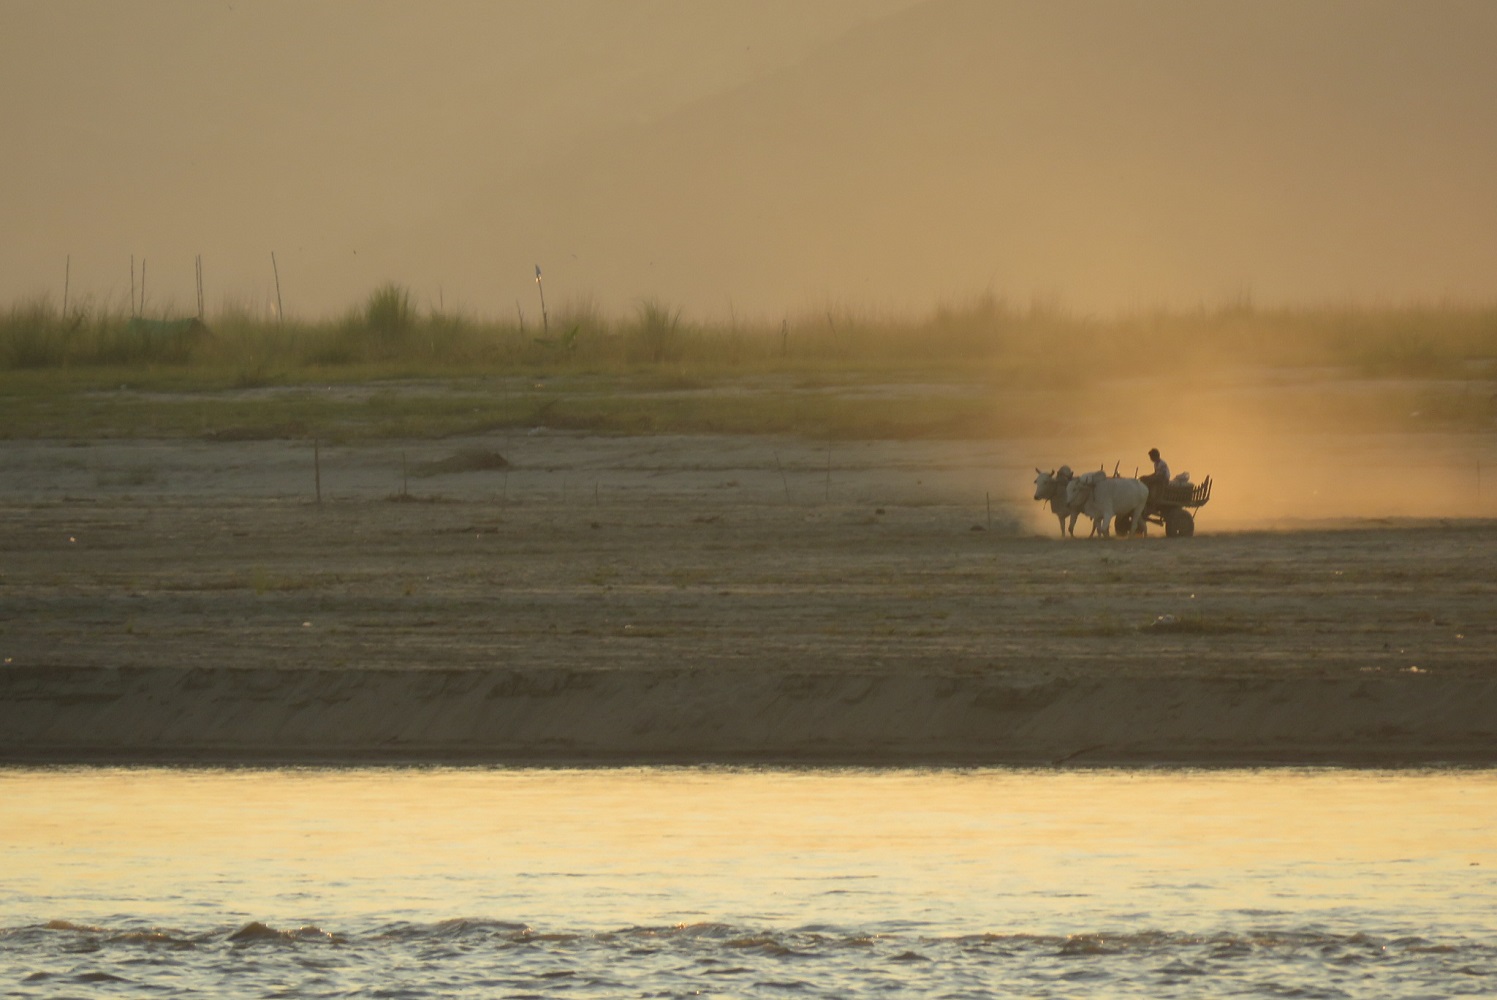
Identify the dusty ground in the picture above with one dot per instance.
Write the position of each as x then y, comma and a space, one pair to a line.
725, 561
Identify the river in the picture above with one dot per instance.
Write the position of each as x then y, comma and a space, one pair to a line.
747, 882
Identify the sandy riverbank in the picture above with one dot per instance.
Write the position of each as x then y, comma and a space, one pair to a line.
559, 715
702, 599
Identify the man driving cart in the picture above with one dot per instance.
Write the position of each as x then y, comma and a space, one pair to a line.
1160, 477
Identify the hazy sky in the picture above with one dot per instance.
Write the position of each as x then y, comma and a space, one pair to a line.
750, 156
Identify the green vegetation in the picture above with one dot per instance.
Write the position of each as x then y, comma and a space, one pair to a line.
963, 371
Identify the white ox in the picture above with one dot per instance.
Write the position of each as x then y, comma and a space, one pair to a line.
1102, 499
1051, 486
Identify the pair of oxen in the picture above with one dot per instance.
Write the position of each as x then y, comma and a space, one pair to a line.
1103, 498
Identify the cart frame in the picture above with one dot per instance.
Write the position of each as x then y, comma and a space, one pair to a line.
1171, 507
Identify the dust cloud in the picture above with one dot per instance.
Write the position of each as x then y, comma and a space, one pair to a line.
1283, 456
744, 159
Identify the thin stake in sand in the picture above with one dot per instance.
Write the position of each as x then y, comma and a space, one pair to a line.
545, 321
200, 287
280, 316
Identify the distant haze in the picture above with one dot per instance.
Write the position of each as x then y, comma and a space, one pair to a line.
750, 157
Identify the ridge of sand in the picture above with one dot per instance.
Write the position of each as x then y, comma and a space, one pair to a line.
170, 714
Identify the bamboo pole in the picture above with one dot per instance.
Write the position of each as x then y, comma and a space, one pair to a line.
545, 320
67, 276
280, 313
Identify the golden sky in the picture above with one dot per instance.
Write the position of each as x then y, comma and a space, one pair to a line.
748, 157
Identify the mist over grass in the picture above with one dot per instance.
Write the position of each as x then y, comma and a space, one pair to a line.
653, 368
389, 332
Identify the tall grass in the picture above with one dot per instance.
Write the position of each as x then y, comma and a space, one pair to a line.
966, 370
986, 337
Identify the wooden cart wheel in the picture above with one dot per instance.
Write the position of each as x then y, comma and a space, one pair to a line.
1178, 523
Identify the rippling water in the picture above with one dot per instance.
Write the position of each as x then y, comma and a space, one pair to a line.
663, 882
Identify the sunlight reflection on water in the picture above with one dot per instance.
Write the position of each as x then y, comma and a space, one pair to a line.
904, 858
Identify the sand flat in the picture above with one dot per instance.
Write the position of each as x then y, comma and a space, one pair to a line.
622, 599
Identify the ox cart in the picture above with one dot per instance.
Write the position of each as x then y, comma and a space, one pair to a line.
1171, 507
